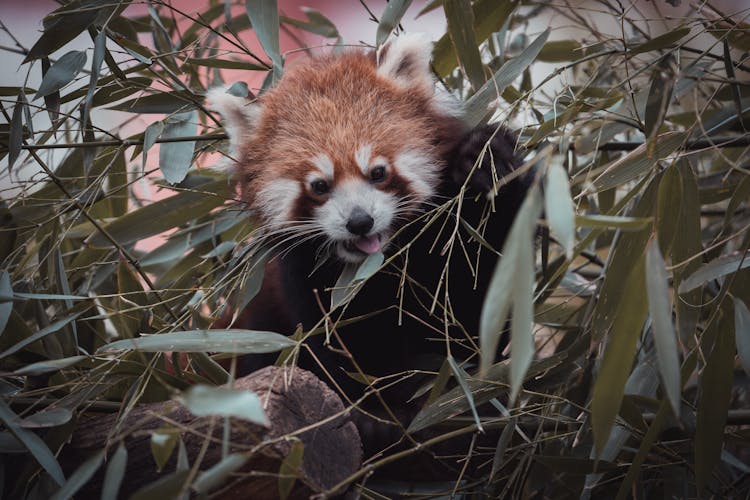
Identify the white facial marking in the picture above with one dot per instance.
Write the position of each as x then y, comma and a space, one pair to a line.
334, 214
362, 157
420, 170
276, 200
324, 164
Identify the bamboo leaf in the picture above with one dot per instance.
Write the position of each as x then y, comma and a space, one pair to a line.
203, 400
162, 445
230, 341
100, 47
617, 362
290, 469
217, 474
33, 443
394, 11
742, 333
614, 221
511, 285
559, 209
264, 17
175, 158
715, 269
15, 137
115, 473
660, 42
460, 19
6, 305
635, 163
668, 206
63, 28
478, 105
489, 17
162, 215
714, 400
169, 486
214, 62
657, 287
51, 417
51, 328
52, 365
61, 73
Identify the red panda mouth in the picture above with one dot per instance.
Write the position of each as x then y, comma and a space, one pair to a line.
362, 246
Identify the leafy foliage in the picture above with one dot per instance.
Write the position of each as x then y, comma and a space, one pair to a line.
629, 349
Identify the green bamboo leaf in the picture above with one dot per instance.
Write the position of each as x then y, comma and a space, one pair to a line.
51, 417
460, 19
162, 445
203, 400
668, 205
715, 269
686, 246
742, 333
264, 17
392, 14
657, 286
561, 51
51, 328
461, 377
635, 163
162, 215
6, 294
61, 29
165, 487
369, 266
100, 47
150, 135
61, 73
217, 475
614, 222
175, 158
714, 400
559, 209
47, 296
316, 23
80, 477
617, 362
290, 469
489, 17
33, 443
15, 137
115, 473
660, 42
478, 105
511, 285
53, 365
344, 288
235, 341
213, 62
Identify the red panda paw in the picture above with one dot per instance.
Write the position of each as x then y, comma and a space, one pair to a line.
486, 157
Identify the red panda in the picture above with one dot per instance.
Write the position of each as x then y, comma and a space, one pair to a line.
346, 157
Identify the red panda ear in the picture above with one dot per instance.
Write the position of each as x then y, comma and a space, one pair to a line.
240, 115
406, 59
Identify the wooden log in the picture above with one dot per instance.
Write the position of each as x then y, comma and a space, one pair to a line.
293, 399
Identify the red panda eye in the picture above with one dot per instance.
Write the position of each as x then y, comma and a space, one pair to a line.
377, 173
319, 187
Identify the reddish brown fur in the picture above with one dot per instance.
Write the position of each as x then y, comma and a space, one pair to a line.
334, 105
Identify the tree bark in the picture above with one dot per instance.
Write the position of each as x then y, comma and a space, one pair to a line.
294, 399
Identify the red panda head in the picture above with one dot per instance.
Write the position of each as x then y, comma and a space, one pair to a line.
347, 146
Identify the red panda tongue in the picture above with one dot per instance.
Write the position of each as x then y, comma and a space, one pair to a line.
368, 244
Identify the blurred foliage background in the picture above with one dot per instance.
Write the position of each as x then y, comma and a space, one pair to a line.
630, 346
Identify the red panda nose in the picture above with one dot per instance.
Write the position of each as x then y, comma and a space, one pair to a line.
359, 222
